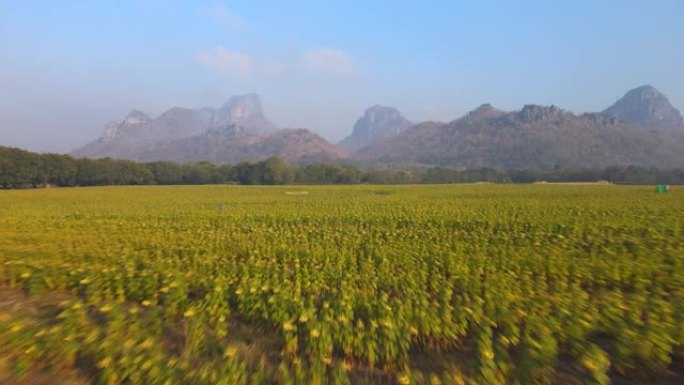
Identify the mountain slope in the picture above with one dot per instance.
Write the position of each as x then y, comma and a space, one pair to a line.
232, 145
376, 124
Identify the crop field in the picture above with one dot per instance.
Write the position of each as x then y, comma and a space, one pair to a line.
460, 284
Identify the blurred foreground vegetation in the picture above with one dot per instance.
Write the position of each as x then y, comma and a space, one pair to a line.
459, 284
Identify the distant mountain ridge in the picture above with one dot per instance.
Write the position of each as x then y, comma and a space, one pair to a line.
642, 128
179, 122
235, 132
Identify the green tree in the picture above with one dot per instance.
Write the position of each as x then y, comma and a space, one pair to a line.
276, 171
90, 172
60, 170
166, 172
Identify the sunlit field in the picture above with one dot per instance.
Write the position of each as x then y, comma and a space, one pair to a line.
461, 284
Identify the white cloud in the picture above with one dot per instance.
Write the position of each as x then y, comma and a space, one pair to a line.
226, 61
327, 59
272, 66
227, 17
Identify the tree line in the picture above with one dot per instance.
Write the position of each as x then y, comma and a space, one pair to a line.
24, 169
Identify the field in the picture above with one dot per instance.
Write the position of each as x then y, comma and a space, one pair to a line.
462, 284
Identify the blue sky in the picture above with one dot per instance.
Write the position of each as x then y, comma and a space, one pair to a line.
68, 67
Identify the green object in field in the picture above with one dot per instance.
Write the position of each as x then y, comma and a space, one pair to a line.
661, 188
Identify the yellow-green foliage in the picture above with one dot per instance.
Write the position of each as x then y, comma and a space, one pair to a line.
356, 284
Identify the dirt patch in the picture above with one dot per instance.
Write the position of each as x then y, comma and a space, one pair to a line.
15, 302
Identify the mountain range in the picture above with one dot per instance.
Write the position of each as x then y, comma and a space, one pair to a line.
238, 131
642, 128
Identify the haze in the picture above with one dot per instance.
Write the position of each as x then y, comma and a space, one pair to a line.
67, 68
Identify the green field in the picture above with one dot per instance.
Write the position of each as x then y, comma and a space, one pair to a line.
461, 284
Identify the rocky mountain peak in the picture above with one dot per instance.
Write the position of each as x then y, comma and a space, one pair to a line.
535, 113
135, 117
242, 107
111, 131
484, 107
646, 106
175, 113
247, 111
380, 112
485, 111
377, 123
133, 121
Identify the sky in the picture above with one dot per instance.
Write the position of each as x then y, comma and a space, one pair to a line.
69, 67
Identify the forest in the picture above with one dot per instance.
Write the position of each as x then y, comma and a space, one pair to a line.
24, 169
